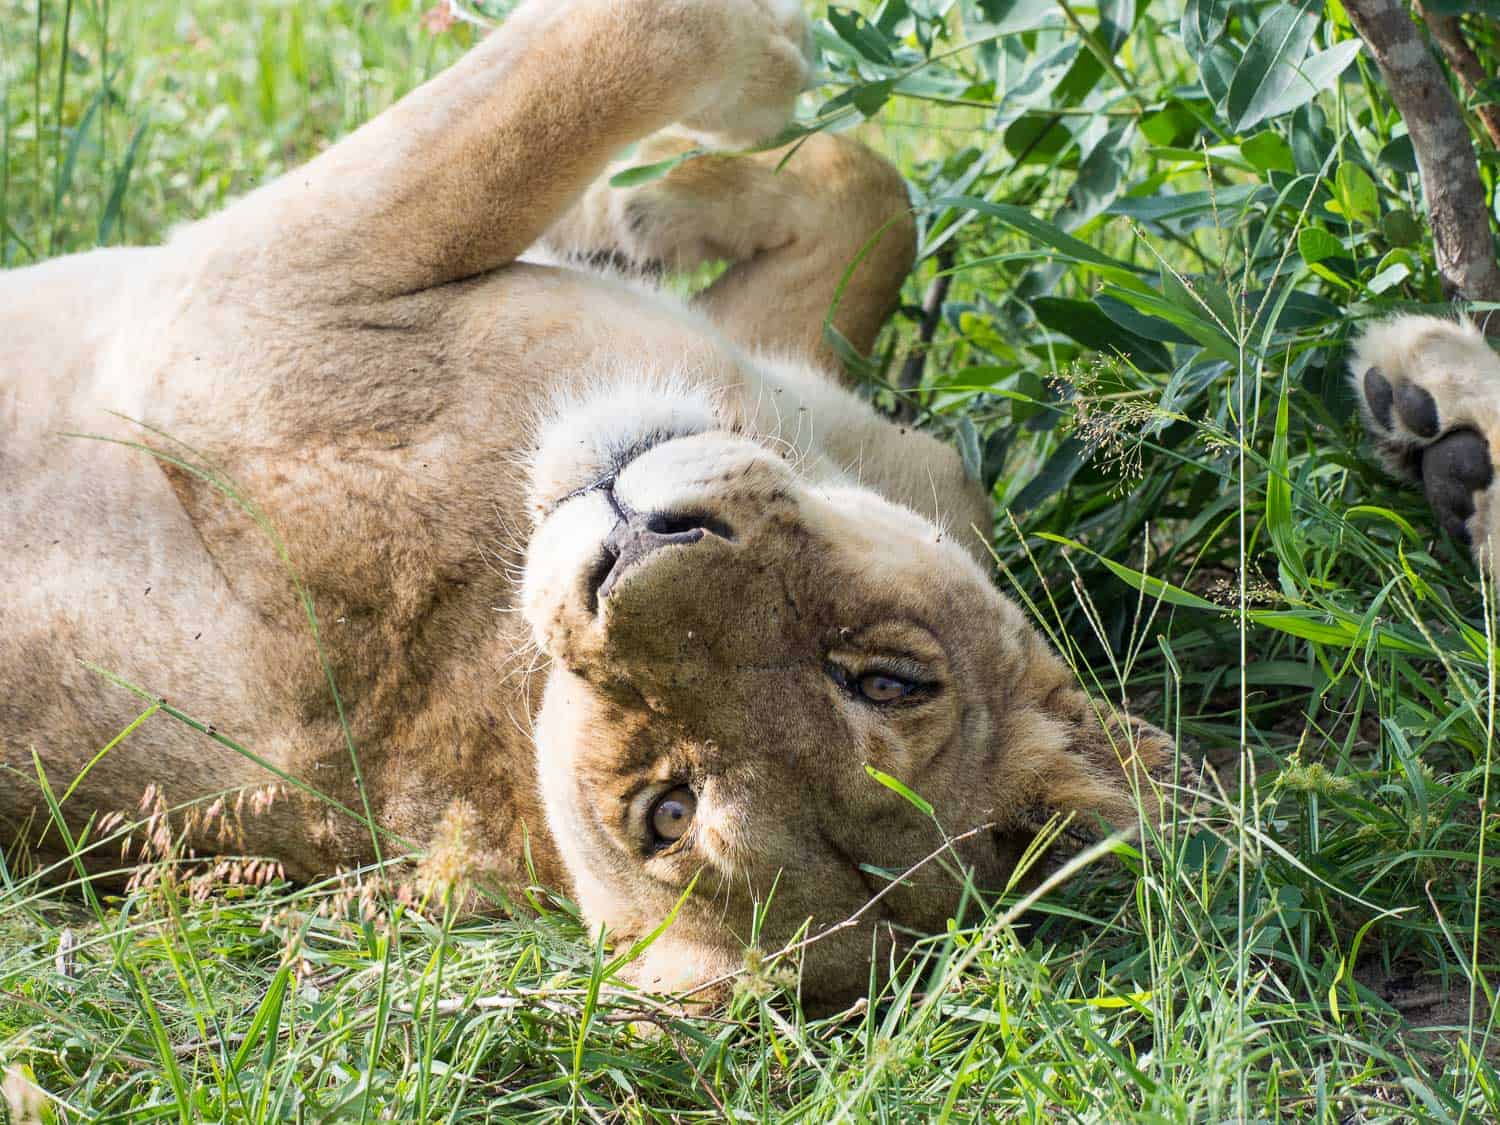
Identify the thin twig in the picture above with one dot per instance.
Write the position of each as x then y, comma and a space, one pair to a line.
932, 316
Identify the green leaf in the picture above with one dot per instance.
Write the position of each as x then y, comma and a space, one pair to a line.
1399, 154
1268, 152
79, 133
896, 785
1085, 322
867, 97
1203, 22
870, 97
1042, 231
1152, 587
1181, 309
1358, 198
1099, 179
1394, 268
1279, 516
1173, 126
1035, 88
859, 33
1400, 229
1317, 245
1030, 397
992, 461
1303, 83
1116, 18
1268, 68
1308, 625
1188, 204
967, 439
645, 173
1216, 72
1005, 16
116, 201
1054, 476
1139, 324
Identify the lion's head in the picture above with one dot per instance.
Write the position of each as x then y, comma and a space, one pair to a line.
736, 634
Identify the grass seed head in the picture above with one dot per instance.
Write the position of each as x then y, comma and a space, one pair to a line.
451, 862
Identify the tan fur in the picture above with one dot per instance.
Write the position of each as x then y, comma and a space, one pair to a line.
410, 408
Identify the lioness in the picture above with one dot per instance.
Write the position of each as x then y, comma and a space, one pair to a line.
738, 585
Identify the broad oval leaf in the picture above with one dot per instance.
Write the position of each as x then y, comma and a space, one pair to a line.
1303, 84
1054, 476
1203, 21
1083, 321
1138, 323
1269, 65
1317, 245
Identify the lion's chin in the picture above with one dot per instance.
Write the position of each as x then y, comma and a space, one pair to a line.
586, 442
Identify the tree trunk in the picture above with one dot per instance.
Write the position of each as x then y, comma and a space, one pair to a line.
1445, 153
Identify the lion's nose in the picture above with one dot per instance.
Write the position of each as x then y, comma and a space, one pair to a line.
638, 535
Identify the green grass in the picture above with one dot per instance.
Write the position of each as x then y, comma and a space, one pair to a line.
1318, 943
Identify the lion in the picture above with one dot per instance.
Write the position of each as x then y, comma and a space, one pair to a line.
387, 478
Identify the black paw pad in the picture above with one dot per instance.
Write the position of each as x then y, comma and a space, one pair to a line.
1378, 396
1418, 411
1452, 470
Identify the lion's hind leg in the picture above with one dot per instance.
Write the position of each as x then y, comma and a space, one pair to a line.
1429, 390
822, 225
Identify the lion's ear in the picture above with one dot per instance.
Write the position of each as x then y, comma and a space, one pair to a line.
1099, 768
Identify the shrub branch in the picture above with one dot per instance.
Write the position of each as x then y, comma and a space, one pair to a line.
1444, 150
932, 315
1448, 33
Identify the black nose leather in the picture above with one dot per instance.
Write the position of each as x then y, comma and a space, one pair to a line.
637, 535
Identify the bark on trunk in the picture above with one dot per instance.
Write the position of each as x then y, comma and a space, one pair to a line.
1445, 154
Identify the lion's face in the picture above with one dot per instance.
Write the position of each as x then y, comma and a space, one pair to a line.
733, 644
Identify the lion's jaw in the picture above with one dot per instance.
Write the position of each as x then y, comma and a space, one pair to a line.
723, 653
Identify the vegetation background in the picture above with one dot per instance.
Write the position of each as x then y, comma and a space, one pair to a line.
1148, 232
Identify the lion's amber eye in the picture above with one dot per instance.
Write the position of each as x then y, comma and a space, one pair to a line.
673, 814
880, 688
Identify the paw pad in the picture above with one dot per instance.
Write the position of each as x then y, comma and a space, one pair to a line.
1430, 389
1455, 467
1408, 406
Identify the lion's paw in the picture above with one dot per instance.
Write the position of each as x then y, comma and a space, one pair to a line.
772, 63
1429, 390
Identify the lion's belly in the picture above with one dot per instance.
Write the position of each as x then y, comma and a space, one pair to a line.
101, 573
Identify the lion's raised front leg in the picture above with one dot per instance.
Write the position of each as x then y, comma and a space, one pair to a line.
794, 221
467, 171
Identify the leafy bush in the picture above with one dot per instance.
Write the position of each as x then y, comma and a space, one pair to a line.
1148, 233
1164, 226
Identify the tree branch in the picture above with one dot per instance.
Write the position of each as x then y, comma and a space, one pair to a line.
1448, 33
932, 315
1445, 154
